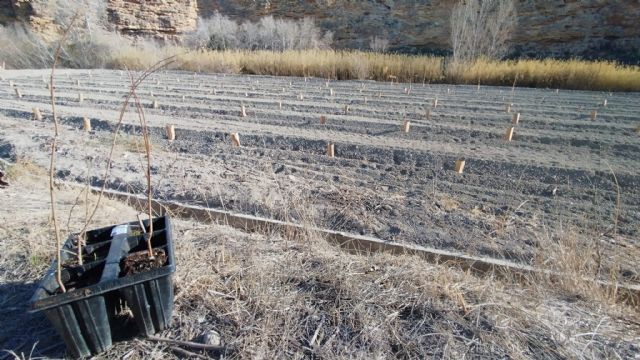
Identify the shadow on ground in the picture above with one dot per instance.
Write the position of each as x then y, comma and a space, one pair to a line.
24, 333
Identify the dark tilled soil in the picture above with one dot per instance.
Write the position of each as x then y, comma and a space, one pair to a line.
140, 262
563, 172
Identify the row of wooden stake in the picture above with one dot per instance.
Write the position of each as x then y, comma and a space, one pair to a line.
235, 137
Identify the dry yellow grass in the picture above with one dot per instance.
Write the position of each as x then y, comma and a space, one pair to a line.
344, 65
566, 74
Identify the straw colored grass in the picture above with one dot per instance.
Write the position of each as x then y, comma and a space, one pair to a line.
565, 74
347, 65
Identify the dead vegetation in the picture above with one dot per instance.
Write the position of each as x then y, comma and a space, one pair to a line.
293, 295
112, 51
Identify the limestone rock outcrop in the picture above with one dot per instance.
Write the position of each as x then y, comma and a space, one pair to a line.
166, 19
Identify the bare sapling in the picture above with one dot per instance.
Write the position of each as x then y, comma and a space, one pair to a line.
52, 164
147, 148
125, 104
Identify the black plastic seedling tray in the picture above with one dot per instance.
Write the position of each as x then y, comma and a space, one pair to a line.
89, 316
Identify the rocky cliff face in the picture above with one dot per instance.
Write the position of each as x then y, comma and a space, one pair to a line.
566, 28
34, 12
166, 19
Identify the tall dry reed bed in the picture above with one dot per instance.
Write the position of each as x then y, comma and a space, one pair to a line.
347, 65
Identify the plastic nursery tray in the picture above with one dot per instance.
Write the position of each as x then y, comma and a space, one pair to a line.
88, 316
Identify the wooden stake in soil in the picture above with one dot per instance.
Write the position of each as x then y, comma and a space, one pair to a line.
11, 83
346, 109
460, 166
594, 114
18, 93
80, 98
171, 133
235, 138
323, 119
243, 111
155, 104
279, 104
77, 82
509, 134
86, 124
604, 103
435, 103
406, 125
331, 92
37, 115
516, 118
508, 108
330, 150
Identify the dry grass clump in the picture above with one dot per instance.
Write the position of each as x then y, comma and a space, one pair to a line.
567, 74
577, 267
274, 297
24, 167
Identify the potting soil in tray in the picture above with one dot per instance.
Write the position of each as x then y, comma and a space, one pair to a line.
140, 261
